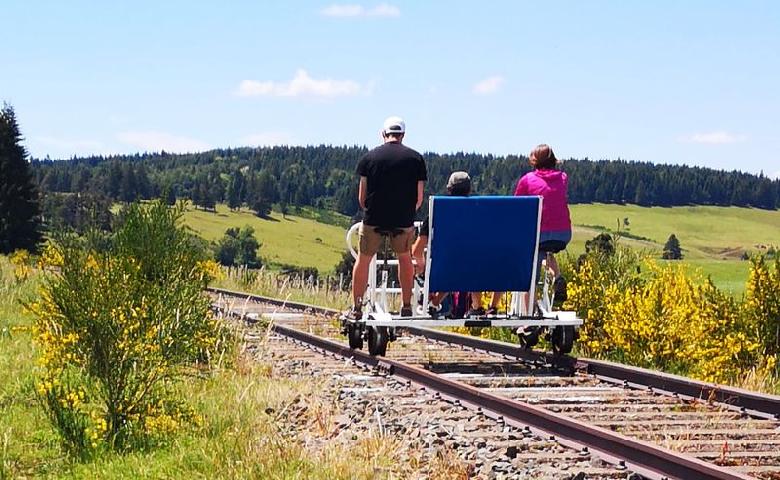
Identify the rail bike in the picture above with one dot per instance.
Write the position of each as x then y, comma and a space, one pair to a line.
504, 257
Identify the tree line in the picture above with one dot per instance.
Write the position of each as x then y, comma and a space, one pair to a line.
323, 176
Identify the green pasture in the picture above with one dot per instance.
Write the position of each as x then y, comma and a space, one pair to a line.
704, 232
713, 239
288, 239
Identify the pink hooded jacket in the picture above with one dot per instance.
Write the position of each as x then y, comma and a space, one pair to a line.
552, 185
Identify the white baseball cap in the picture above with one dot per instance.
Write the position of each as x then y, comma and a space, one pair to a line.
394, 125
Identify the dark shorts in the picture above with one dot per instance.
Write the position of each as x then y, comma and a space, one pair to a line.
555, 241
371, 239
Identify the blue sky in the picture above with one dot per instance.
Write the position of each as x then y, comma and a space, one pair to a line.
687, 82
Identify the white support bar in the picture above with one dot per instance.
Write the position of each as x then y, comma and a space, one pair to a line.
471, 322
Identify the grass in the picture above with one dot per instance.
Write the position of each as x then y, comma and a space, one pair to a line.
713, 238
266, 283
288, 239
704, 232
246, 432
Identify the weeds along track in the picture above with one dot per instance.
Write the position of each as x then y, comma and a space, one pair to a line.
498, 406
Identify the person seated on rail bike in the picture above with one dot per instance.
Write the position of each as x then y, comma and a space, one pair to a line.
390, 191
459, 185
551, 184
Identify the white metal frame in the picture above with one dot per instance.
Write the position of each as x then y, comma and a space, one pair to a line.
520, 313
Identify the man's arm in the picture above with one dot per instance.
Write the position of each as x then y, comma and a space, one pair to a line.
362, 187
420, 188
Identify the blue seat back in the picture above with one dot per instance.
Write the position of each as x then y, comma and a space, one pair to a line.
483, 243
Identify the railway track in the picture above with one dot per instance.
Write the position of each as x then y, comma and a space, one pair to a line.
651, 424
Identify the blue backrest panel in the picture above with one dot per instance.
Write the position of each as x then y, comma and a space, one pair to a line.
482, 243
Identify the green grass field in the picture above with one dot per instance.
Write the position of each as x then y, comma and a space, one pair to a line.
241, 435
713, 238
291, 239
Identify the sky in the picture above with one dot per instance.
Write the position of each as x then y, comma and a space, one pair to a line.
683, 82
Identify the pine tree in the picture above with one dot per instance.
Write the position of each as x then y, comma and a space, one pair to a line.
235, 191
19, 207
672, 250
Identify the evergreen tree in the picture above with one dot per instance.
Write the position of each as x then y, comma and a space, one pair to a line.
672, 250
19, 208
235, 191
114, 180
207, 199
128, 187
167, 195
261, 206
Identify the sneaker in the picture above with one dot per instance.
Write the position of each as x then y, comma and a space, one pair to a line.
475, 312
434, 311
559, 287
354, 313
406, 311
492, 312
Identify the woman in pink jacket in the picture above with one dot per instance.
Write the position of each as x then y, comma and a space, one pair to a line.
552, 185
555, 229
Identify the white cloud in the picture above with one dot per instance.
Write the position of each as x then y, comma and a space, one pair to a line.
301, 85
155, 141
775, 176
715, 138
268, 139
355, 10
488, 85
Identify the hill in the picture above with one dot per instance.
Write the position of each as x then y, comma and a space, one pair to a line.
713, 238
289, 239
324, 177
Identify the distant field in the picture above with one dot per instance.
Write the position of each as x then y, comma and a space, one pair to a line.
712, 238
292, 240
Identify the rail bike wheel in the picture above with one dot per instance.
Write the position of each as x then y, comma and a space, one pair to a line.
562, 339
355, 336
529, 338
377, 340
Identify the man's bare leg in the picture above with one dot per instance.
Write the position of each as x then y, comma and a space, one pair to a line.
360, 279
405, 277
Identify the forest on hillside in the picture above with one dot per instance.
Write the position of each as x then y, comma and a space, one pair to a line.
323, 177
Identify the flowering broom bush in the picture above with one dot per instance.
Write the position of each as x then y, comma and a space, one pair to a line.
762, 302
666, 318
119, 322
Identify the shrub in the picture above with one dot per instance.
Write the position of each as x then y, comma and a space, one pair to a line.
119, 324
238, 247
20, 259
762, 302
672, 250
665, 318
592, 284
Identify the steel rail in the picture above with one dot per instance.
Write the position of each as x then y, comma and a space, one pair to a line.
758, 404
642, 457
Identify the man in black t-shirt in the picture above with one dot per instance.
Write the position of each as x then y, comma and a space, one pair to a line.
392, 177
